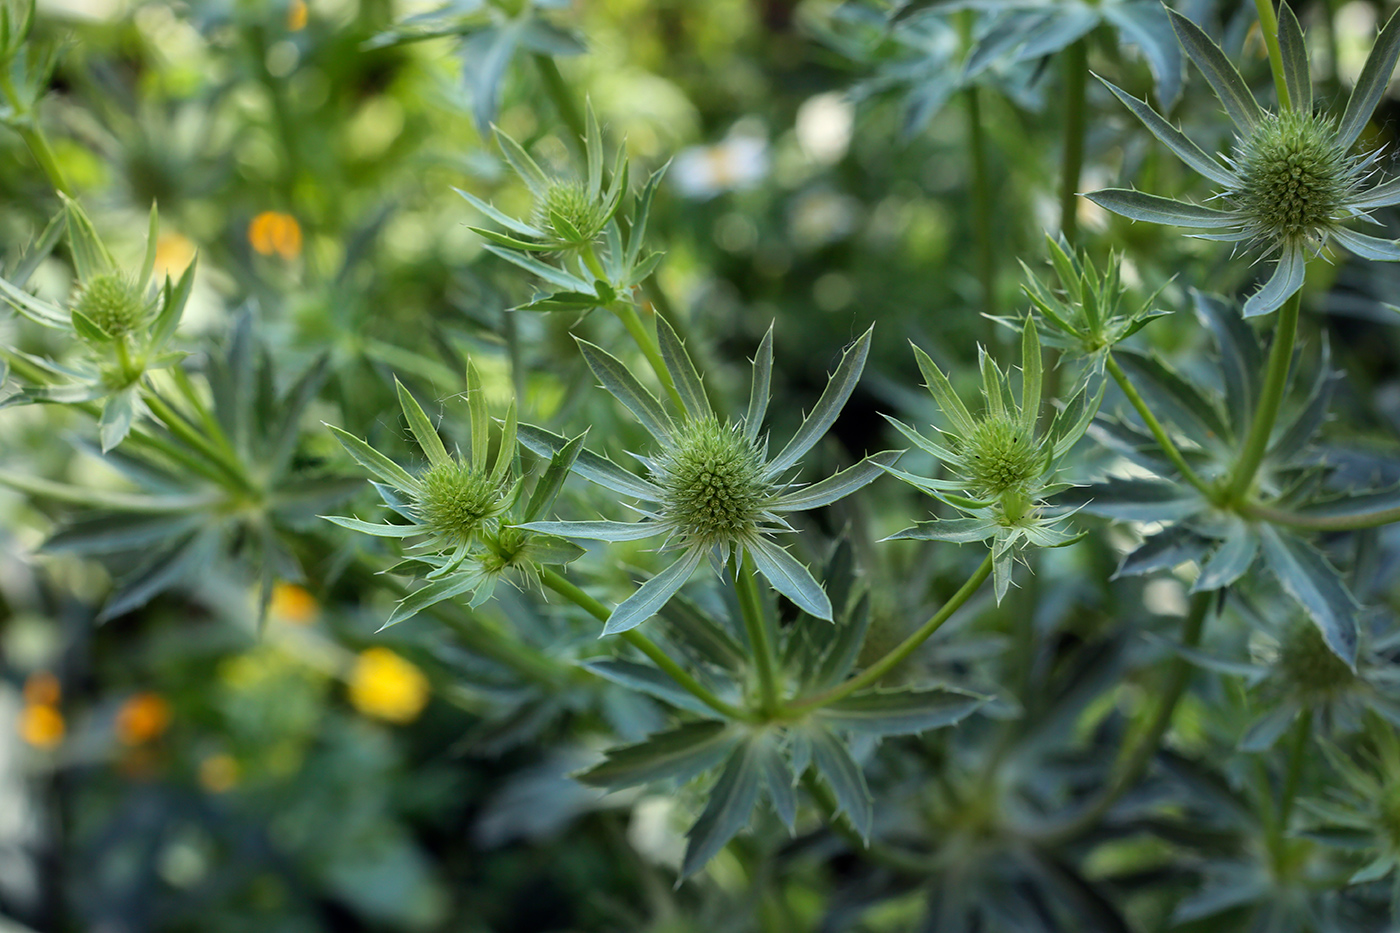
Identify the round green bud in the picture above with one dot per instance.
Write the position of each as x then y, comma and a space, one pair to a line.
1295, 179
714, 491
114, 303
1000, 456
1309, 666
457, 502
570, 201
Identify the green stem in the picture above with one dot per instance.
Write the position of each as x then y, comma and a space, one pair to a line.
646, 341
1164, 440
1264, 513
558, 90
982, 203
1268, 25
751, 606
1275, 380
1072, 164
27, 125
1136, 756
559, 584
1302, 732
872, 674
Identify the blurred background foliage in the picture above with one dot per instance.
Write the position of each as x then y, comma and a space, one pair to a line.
180, 767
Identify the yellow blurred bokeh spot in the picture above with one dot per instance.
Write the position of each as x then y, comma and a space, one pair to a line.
143, 717
174, 253
293, 604
41, 725
296, 16
386, 686
219, 773
273, 232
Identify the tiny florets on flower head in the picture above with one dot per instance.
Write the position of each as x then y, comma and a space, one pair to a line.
1000, 456
571, 201
457, 502
1295, 180
114, 303
713, 481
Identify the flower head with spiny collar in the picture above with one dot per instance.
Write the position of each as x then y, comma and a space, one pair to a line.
711, 489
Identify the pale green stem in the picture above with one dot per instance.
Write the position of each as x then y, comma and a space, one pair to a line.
1164, 440
27, 125
1302, 733
872, 674
559, 584
1273, 516
1270, 399
645, 339
1136, 756
1072, 161
751, 606
1268, 25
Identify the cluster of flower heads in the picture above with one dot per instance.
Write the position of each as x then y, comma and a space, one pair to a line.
1293, 181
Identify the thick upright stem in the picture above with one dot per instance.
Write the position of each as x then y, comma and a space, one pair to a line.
1072, 159
1268, 25
1164, 440
757, 628
872, 674
982, 203
1275, 380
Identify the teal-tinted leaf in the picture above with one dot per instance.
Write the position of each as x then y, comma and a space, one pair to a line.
1145, 24
1294, 53
551, 274
778, 778
1137, 500
731, 802
1374, 871
114, 532
1368, 247
589, 465
1354, 506
900, 712
789, 577
1307, 576
1286, 279
1219, 72
692, 628
1241, 362
1163, 551
377, 529
1265, 731
422, 428
547, 488
842, 774
1230, 561
430, 595
759, 387
1067, 25
843, 648
679, 754
36, 309
505, 220
378, 464
1175, 398
682, 370
546, 549
653, 594
828, 407
957, 530
1371, 84
1300, 431
624, 387
1137, 205
118, 412
838, 486
649, 680
90, 256
185, 559
35, 253
1174, 139
598, 530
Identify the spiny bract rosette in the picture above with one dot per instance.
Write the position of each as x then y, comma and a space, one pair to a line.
462, 510
1361, 810
1293, 181
1003, 469
712, 490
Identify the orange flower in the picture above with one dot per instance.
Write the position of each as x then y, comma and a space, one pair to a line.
41, 725
296, 16
293, 604
141, 718
386, 686
218, 773
42, 689
273, 232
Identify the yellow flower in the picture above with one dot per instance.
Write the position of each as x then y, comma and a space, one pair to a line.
293, 604
41, 725
273, 232
174, 253
386, 686
219, 773
142, 718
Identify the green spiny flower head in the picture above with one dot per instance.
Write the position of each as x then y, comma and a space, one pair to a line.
713, 483
1293, 180
1309, 667
114, 303
457, 502
711, 490
1002, 466
570, 211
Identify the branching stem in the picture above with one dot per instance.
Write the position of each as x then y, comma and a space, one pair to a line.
1164, 440
746, 582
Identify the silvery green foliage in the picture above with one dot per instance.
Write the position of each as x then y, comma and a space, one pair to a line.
125, 323
710, 487
1292, 181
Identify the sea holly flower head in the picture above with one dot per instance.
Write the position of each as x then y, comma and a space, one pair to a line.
461, 510
1361, 811
1003, 467
711, 490
570, 213
1086, 316
1293, 181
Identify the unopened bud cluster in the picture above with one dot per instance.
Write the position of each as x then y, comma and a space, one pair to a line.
458, 503
1295, 179
713, 484
114, 303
